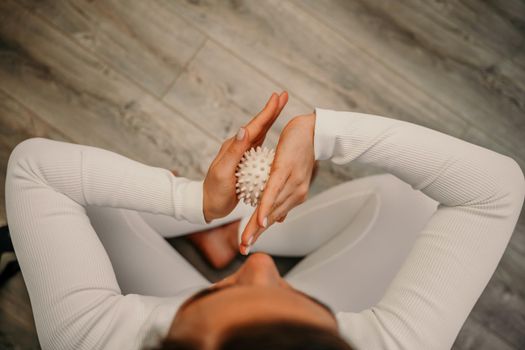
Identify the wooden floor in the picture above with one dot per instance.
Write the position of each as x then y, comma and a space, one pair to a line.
163, 82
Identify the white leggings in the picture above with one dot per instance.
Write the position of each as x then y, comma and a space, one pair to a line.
354, 237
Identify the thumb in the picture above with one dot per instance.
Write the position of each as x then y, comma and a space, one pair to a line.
236, 149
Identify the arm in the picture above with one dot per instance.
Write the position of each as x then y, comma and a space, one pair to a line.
75, 297
480, 193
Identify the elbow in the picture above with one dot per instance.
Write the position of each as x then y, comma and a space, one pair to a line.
23, 152
22, 160
512, 183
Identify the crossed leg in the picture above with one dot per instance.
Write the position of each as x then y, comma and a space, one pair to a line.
354, 237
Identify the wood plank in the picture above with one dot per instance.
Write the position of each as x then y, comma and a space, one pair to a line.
502, 311
137, 38
17, 123
88, 101
220, 93
513, 68
467, 31
474, 336
314, 62
481, 93
4, 156
482, 136
514, 10
17, 329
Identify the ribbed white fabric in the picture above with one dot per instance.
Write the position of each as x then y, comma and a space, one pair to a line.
480, 193
77, 302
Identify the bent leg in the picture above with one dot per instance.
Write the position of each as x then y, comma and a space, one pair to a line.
313, 223
144, 263
168, 226
352, 270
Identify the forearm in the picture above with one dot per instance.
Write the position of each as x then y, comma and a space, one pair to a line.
93, 176
480, 194
447, 169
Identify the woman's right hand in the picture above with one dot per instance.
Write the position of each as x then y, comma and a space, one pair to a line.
219, 185
289, 180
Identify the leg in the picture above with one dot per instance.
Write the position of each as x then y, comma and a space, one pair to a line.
315, 222
143, 261
352, 269
216, 241
167, 226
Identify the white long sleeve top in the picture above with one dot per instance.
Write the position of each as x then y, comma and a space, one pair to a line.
77, 302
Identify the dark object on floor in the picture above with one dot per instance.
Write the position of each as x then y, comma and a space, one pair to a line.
8, 264
5, 240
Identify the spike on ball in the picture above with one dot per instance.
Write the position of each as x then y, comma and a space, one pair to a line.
250, 184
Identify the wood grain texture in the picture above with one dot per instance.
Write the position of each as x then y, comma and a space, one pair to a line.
311, 63
473, 336
417, 44
4, 156
468, 31
220, 93
311, 60
501, 310
89, 101
164, 81
17, 328
18, 123
137, 38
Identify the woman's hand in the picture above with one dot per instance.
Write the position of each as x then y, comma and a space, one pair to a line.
289, 178
219, 185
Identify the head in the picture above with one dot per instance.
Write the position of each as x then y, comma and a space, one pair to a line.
253, 308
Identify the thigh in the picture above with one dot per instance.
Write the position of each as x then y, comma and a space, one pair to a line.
144, 263
316, 221
168, 226
352, 270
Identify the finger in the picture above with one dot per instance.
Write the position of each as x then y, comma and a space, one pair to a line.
258, 140
282, 210
274, 185
283, 99
282, 218
234, 151
247, 236
284, 193
264, 117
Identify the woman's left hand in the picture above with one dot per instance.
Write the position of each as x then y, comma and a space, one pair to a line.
219, 185
289, 180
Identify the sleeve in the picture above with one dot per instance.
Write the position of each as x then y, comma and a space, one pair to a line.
76, 300
480, 195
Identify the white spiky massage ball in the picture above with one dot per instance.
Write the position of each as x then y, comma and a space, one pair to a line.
252, 173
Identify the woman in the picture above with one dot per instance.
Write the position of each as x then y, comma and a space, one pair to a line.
398, 260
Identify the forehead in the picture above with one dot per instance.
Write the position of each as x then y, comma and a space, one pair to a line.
242, 301
238, 305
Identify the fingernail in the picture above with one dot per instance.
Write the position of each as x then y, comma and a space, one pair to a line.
249, 243
246, 250
265, 222
240, 134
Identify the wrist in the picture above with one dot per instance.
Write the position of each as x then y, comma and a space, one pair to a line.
306, 123
206, 208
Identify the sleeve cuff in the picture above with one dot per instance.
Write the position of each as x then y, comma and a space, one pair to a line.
324, 137
188, 200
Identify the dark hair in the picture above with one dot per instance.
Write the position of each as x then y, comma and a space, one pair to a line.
286, 335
